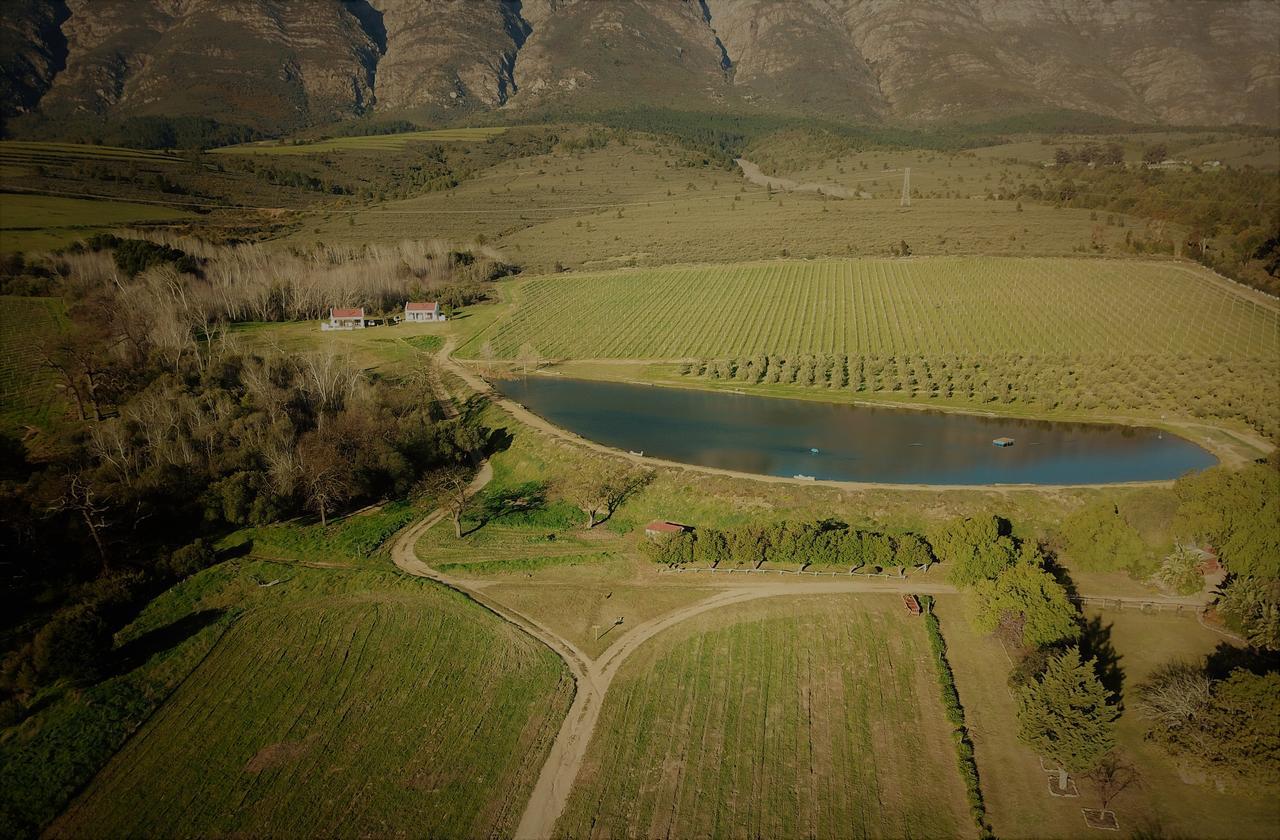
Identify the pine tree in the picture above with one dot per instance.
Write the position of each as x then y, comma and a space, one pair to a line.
1064, 714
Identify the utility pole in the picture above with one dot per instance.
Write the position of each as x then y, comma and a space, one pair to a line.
906, 187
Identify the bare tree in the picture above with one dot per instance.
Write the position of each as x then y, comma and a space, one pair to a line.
80, 498
453, 486
529, 356
1111, 777
602, 487
325, 473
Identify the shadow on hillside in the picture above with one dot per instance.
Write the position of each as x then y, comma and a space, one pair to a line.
137, 651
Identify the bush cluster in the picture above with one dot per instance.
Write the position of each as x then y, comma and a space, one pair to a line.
828, 543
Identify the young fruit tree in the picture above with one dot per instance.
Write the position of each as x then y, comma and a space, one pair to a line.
1065, 715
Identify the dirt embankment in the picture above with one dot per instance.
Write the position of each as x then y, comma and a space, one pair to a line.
753, 174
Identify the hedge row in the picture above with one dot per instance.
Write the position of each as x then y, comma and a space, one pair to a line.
955, 715
827, 543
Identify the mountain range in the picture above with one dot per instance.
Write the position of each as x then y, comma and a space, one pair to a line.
280, 65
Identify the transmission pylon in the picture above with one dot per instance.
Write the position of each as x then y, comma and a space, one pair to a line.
906, 187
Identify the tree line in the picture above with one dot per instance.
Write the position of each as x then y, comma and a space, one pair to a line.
1203, 387
828, 543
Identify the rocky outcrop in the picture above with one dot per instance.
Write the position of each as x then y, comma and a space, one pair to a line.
279, 64
589, 54
32, 51
448, 54
267, 63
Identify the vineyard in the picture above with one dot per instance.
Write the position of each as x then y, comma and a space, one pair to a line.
972, 306
775, 720
26, 389
394, 705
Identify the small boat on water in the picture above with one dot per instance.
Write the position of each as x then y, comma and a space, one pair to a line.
813, 450
1002, 441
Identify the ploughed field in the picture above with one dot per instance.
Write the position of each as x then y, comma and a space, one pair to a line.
392, 707
809, 717
972, 306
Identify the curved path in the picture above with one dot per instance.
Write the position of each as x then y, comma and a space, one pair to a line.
593, 677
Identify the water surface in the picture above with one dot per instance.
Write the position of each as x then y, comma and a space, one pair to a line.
772, 436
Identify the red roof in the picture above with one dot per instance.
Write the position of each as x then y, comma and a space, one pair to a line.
346, 313
428, 306
664, 527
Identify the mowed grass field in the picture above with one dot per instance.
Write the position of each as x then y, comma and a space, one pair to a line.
27, 393
370, 143
384, 706
815, 717
963, 305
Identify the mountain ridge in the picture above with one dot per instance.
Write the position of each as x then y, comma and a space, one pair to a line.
279, 65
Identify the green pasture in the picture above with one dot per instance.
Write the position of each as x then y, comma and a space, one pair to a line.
813, 717
38, 153
42, 222
27, 388
370, 143
340, 704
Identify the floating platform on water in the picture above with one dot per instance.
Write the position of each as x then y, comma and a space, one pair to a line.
1002, 441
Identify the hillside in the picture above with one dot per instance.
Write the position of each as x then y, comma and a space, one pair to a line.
277, 65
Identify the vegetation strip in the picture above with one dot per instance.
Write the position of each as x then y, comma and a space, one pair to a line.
955, 714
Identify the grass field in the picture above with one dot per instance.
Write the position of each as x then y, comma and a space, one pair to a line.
1015, 787
371, 705
370, 143
25, 153
27, 394
644, 204
966, 306
789, 718
41, 222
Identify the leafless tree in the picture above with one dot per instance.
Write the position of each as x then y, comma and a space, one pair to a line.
452, 486
1113, 776
80, 498
325, 473
1174, 694
602, 487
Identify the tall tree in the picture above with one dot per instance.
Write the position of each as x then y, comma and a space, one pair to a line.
1065, 715
974, 549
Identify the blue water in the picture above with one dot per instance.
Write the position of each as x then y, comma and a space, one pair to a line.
900, 446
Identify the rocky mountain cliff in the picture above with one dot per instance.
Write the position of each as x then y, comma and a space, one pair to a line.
281, 64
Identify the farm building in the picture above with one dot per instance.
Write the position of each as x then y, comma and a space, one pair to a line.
662, 528
422, 312
344, 319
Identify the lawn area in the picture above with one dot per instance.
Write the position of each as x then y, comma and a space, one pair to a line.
369, 143
1016, 788
40, 222
785, 718
969, 306
340, 704
27, 395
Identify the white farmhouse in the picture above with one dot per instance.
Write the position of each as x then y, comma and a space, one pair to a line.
422, 312
344, 319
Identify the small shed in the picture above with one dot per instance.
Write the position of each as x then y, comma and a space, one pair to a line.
1002, 441
912, 603
344, 319
662, 528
